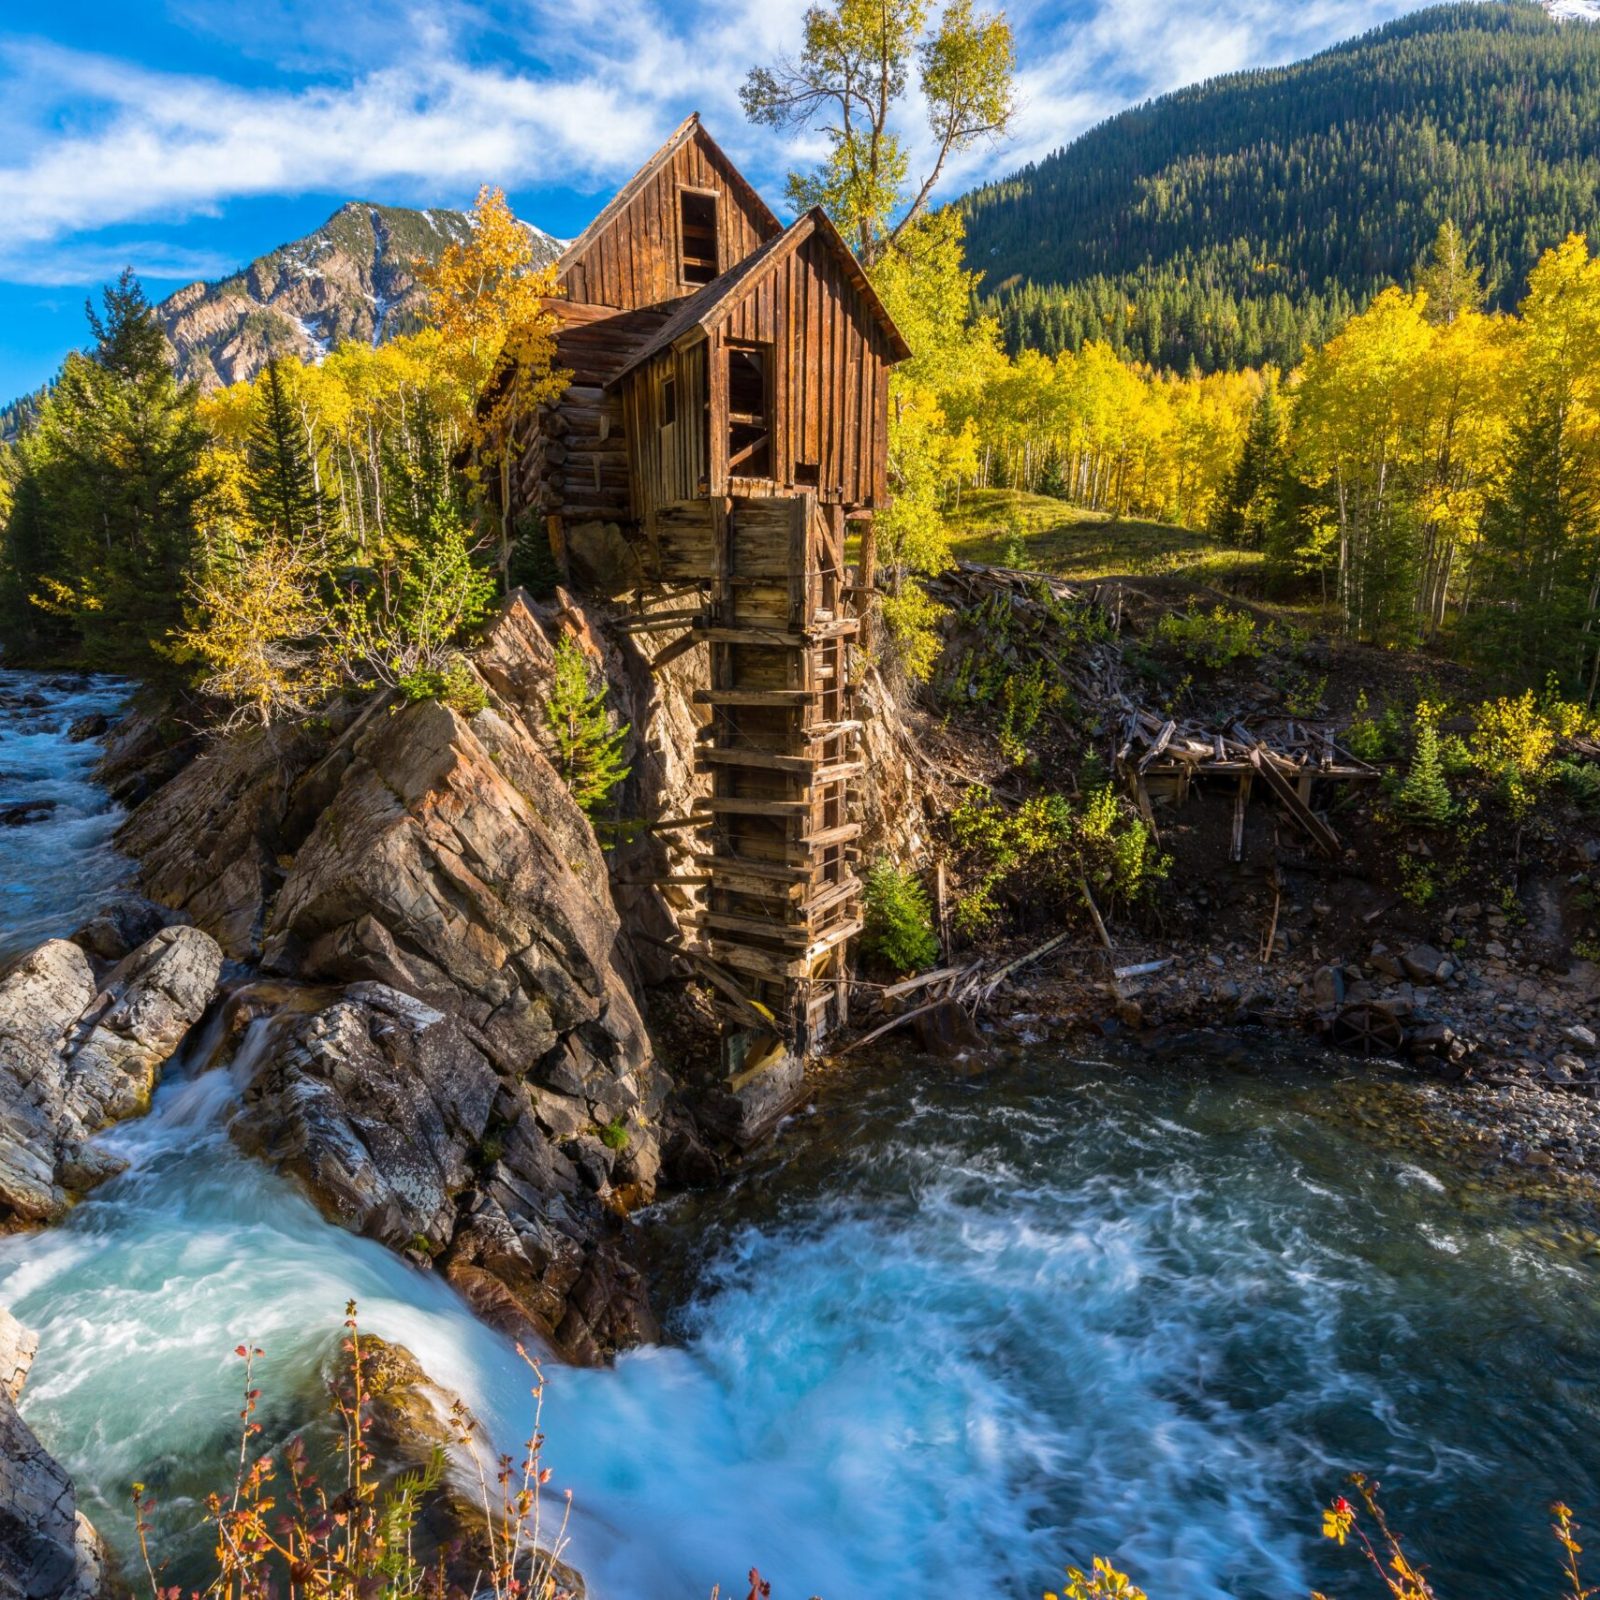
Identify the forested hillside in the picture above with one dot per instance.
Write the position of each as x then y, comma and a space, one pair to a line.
1232, 223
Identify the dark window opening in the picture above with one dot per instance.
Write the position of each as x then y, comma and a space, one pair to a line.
807, 474
749, 430
669, 402
697, 235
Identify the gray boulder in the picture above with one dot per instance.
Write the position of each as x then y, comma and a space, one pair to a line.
75, 1058
377, 1103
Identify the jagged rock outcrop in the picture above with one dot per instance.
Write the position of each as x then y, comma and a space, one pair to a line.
470, 1078
76, 1056
377, 1103
48, 1549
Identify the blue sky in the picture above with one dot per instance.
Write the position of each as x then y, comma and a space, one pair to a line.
184, 137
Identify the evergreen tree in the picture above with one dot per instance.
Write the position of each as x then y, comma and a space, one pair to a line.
1451, 279
1537, 554
1424, 797
1250, 496
117, 458
589, 747
284, 497
29, 557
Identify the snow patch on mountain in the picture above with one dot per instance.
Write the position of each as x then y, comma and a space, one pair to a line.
1574, 10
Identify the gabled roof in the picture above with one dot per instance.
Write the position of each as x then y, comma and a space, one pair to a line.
708, 307
686, 130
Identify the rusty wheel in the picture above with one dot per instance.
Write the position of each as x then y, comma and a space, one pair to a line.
1368, 1030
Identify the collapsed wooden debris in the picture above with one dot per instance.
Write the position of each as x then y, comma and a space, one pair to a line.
1161, 760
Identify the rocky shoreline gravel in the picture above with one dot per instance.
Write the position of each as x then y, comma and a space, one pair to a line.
1497, 1054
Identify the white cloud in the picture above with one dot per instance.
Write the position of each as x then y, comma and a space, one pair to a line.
525, 93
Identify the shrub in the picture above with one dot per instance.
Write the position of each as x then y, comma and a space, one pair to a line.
259, 626
898, 936
1581, 782
912, 618
1373, 738
614, 1134
1513, 743
399, 626
1102, 1582
278, 1530
588, 745
1022, 696
1212, 638
1046, 848
454, 683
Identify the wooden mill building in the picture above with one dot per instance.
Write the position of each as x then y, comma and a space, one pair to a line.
727, 421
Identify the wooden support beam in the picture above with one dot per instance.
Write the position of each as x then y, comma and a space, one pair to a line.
1325, 839
778, 699
839, 772
678, 647
652, 620
727, 805
695, 819
762, 760
764, 963
820, 841
754, 866
788, 933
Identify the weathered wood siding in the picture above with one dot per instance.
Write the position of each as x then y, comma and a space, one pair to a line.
828, 396
830, 382
669, 460
636, 259
574, 458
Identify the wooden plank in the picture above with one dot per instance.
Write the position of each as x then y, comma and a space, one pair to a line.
727, 805
754, 866
678, 647
764, 963
844, 832
1320, 833
839, 772
779, 699
787, 933
764, 760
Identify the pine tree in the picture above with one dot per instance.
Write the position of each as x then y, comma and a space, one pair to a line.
29, 556
281, 490
589, 747
1246, 503
118, 451
1425, 797
1537, 546
1451, 279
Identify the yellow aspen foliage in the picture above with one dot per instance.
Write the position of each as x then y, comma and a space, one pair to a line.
497, 338
261, 640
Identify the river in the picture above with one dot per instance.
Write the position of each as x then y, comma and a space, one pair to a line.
953, 1330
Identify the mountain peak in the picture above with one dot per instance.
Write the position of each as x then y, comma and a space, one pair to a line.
352, 278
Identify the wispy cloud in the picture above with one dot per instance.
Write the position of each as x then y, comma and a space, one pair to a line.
385, 99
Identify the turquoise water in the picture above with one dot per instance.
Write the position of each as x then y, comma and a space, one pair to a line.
949, 1327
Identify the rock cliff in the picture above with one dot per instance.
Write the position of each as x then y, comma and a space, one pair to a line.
463, 1070
48, 1550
